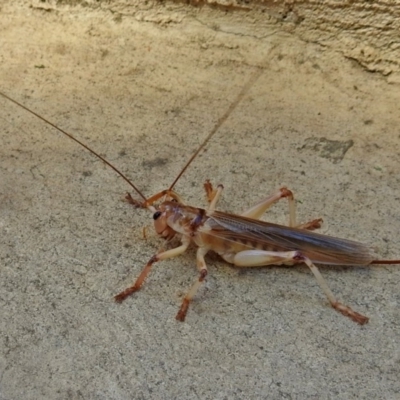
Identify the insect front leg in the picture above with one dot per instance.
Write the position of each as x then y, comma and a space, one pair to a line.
202, 267
213, 195
260, 208
210, 192
254, 258
158, 257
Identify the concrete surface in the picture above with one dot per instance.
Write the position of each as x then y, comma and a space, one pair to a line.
364, 31
145, 95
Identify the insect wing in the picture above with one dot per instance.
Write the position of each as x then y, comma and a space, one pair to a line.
319, 248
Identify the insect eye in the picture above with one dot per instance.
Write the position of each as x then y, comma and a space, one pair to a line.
156, 215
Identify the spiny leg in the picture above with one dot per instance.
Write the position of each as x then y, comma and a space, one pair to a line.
202, 267
260, 208
345, 310
158, 257
253, 258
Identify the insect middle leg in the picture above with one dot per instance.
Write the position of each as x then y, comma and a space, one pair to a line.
202, 267
254, 258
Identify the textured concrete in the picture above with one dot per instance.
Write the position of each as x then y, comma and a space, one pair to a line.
364, 31
145, 94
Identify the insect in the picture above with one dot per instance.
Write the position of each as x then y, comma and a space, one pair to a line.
242, 240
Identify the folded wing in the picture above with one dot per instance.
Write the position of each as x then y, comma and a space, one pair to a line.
319, 248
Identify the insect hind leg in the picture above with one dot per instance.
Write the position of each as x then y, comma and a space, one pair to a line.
254, 258
261, 207
283, 193
311, 225
342, 308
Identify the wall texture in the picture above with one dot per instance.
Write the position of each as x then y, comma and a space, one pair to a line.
365, 31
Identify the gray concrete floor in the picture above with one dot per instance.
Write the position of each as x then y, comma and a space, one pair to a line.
145, 95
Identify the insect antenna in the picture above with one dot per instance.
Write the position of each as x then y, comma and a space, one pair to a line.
220, 121
77, 141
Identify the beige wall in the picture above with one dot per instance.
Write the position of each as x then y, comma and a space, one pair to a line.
365, 31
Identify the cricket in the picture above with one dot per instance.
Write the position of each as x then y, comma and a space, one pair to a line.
242, 240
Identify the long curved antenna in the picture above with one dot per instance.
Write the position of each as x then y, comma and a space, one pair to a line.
79, 142
221, 120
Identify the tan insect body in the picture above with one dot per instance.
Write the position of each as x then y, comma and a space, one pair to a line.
242, 240
247, 242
